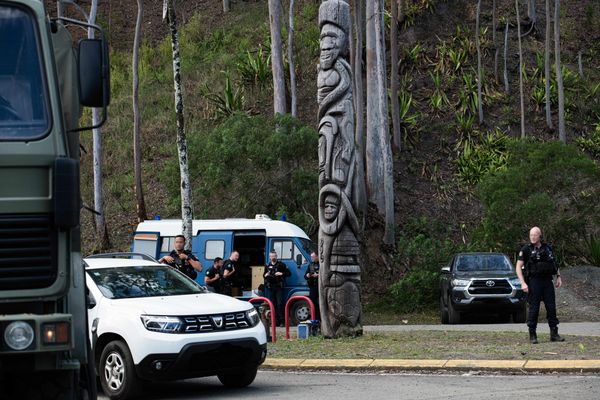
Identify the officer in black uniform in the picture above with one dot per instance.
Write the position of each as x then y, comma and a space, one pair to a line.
275, 274
312, 279
183, 260
213, 277
229, 272
536, 266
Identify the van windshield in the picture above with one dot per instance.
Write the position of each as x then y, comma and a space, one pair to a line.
23, 97
308, 246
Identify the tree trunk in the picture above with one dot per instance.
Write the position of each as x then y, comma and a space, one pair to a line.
531, 12
99, 217
547, 74
479, 72
291, 62
186, 190
520, 71
505, 74
374, 151
562, 133
580, 63
279, 100
137, 153
495, 40
359, 106
400, 11
226, 6
394, 76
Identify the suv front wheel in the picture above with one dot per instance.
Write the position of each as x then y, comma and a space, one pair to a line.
116, 370
239, 380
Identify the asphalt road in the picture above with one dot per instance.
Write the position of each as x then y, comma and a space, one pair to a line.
315, 386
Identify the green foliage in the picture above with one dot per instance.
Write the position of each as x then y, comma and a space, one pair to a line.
255, 69
550, 185
408, 119
591, 143
246, 166
422, 250
489, 154
226, 103
594, 250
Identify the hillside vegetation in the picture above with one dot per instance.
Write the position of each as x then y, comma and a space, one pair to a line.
459, 185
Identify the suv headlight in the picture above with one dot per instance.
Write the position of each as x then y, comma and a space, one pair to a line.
515, 282
253, 317
460, 282
160, 323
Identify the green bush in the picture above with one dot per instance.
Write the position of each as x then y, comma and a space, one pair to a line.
479, 158
591, 143
550, 185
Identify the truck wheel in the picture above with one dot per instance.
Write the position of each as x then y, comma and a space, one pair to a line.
453, 315
240, 379
520, 315
116, 370
444, 312
299, 312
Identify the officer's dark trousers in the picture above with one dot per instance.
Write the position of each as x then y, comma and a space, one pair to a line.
314, 296
541, 289
276, 297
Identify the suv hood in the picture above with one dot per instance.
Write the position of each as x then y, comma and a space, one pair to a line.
193, 304
484, 274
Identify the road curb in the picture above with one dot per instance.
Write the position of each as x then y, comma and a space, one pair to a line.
580, 366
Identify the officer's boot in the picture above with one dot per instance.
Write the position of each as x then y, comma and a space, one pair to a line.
533, 336
554, 336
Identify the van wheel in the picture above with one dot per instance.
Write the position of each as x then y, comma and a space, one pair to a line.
299, 312
444, 312
453, 315
116, 370
240, 379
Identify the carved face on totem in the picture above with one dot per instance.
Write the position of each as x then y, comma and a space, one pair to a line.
333, 44
332, 206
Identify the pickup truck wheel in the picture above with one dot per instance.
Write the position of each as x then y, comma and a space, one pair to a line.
444, 312
520, 316
116, 370
453, 315
240, 379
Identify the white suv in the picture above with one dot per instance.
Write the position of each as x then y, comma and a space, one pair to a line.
148, 321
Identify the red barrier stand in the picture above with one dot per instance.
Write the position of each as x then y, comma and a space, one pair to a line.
287, 310
270, 303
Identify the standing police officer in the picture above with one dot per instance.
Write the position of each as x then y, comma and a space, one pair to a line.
182, 260
213, 278
312, 279
275, 274
540, 266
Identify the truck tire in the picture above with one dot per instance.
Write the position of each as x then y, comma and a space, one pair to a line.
444, 312
116, 370
299, 312
239, 379
453, 314
520, 316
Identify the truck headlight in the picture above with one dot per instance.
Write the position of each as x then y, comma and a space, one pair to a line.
460, 282
161, 323
253, 317
19, 335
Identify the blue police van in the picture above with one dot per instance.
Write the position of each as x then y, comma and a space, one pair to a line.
252, 238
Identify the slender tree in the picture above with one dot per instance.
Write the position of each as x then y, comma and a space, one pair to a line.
495, 40
580, 63
226, 5
547, 75
291, 61
394, 76
186, 190
562, 131
99, 216
137, 154
532, 14
479, 72
505, 74
275, 15
520, 70
359, 107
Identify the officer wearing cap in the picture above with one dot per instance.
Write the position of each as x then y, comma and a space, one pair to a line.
536, 267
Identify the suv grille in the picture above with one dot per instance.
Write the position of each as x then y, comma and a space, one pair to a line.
217, 322
485, 286
27, 245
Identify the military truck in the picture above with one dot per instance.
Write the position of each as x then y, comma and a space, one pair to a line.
45, 80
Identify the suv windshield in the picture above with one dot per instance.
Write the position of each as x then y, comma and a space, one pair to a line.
482, 262
146, 281
23, 102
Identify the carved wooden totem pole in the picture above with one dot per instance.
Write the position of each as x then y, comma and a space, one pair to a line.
339, 250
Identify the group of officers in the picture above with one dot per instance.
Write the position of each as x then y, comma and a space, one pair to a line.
222, 275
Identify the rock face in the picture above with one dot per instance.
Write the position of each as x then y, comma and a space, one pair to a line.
339, 250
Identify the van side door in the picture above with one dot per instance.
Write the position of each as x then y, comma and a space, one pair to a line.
288, 251
208, 245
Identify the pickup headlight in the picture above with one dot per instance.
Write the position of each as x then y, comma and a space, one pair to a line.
515, 282
460, 282
253, 317
160, 323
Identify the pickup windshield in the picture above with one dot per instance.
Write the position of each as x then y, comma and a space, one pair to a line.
483, 262
23, 95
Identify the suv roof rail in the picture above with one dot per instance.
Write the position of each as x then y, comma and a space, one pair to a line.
126, 255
